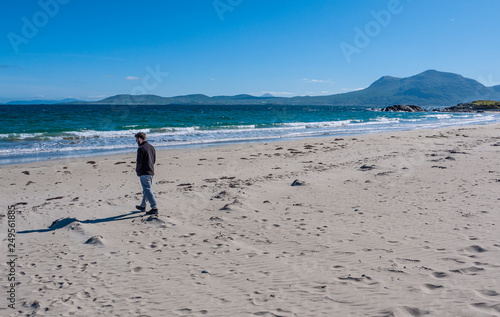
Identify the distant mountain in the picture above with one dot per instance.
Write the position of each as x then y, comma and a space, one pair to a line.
428, 89
268, 95
131, 99
197, 99
43, 102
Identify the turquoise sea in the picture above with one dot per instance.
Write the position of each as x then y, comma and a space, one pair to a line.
42, 132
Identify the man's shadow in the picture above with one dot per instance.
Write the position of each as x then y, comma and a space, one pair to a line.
63, 222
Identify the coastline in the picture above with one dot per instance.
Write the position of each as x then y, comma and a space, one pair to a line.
401, 223
87, 137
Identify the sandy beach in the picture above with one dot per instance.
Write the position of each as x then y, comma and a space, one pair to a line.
392, 224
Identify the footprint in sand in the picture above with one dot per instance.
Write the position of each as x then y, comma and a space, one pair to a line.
432, 289
475, 249
473, 270
488, 294
487, 307
439, 274
409, 311
452, 260
403, 261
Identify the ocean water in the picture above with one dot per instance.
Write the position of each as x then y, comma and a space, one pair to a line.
42, 132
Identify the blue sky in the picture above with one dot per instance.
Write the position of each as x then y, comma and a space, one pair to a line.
54, 49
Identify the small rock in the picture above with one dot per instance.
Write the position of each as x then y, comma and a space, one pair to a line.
54, 198
94, 240
61, 223
226, 207
298, 183
367, 167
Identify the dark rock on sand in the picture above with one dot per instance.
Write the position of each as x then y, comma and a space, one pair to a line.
54, 198
367, 167
95, 240
62, 222
226, 207
35, 305
298, 183
405, 108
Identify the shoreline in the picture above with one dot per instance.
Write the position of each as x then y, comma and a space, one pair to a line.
394, 223
182, 147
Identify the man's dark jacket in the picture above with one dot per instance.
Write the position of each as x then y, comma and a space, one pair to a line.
146, 158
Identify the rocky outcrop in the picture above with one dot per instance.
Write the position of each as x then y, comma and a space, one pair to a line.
462, 107
405, 108
472, 107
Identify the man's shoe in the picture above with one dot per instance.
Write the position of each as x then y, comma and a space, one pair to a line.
140, 208
153, 211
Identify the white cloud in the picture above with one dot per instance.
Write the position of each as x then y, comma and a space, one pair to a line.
282, 93
131, 78
315, 93
317, 81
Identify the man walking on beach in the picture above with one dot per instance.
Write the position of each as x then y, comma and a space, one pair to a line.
146, 159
